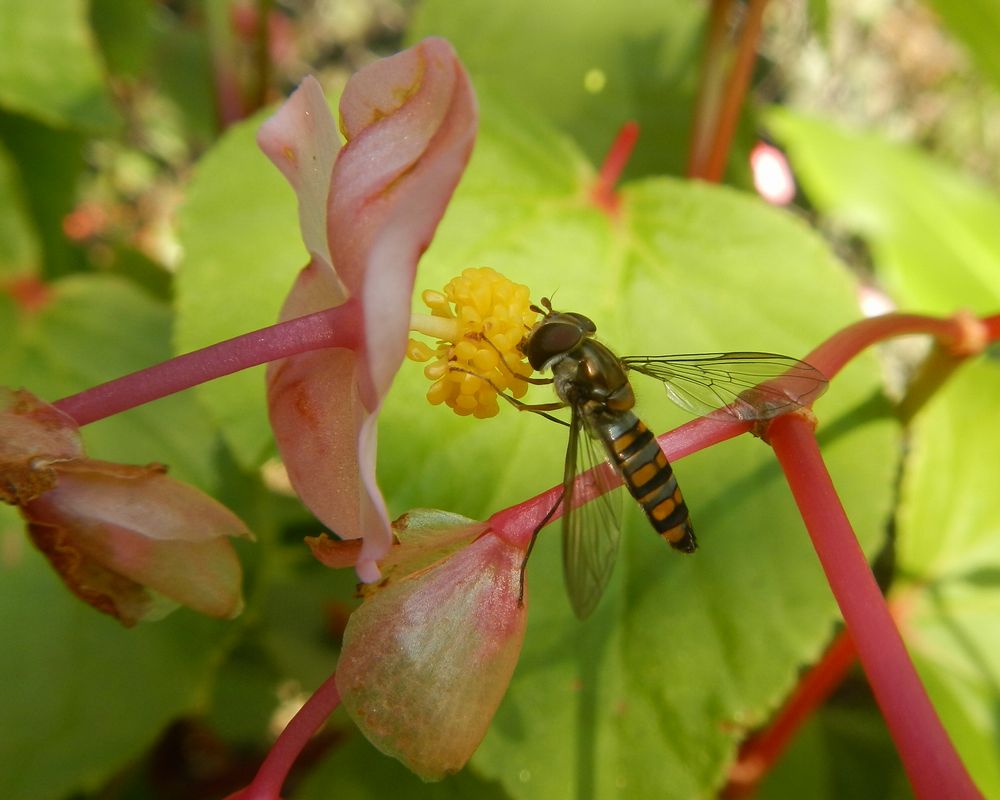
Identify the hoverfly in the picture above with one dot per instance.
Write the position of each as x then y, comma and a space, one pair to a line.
593, 383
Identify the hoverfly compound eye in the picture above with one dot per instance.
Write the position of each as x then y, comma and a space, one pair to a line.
551, 340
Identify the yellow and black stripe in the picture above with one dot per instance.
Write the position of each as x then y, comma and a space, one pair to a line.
651, 480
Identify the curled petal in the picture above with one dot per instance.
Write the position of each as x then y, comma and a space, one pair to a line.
120, 536
410, 123
33, 435
301, 139
427, 659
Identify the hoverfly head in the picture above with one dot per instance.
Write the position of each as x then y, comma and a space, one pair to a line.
555, 335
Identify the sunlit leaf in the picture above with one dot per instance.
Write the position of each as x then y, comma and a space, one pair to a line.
49, 67
932, 231
588, 70
623, 700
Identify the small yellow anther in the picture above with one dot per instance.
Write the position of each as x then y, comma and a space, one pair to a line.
418, 351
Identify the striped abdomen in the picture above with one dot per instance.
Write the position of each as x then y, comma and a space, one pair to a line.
650, 479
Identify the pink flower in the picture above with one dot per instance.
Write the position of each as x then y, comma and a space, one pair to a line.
128, 540
366, 213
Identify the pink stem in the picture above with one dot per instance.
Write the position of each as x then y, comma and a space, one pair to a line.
931, 762
831, 356
269, 779
334, 327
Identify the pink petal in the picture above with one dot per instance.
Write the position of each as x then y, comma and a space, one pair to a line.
427, 660
410, 122
302, 141
112, 531
318, 420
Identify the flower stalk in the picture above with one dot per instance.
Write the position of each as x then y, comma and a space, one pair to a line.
725, 78
267, 783
332, 327
603, 192
929, 757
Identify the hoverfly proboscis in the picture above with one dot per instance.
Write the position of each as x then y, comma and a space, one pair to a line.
590, 380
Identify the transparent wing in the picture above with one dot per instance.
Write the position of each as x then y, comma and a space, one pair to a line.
591, 530
750, 386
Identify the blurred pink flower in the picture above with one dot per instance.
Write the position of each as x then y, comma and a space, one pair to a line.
128, 540
366, 213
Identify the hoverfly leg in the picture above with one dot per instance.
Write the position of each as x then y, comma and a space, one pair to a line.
535, 408
503, 361
534, 538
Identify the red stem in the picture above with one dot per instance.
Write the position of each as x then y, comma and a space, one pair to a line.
706, 110
334, 327
831, 356
722, 93
928, 756
761, 751
279, 761
603, 191
735, 93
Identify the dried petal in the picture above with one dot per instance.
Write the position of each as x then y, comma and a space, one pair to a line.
33, 435
119, 535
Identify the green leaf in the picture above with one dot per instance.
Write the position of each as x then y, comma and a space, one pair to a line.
49, 68
82, 694
977, 24
124, 32
841, 751
48, 165
19, 249
242, 251
93, 329
948, 592
588, 67
932, 231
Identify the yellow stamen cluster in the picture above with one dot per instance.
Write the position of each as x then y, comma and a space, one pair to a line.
479, 321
